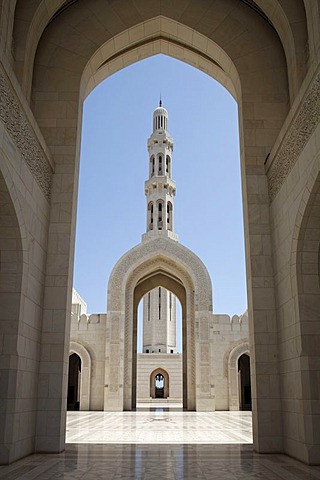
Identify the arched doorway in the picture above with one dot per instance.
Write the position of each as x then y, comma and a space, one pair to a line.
165, 263
159, 384
244, 382
74, 382
84, 375
234, 375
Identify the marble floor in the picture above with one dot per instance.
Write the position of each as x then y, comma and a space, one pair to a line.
190, 455
159, 425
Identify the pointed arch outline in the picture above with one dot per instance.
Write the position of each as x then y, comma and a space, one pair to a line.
159, 262
85, 384
234, 356
165, 375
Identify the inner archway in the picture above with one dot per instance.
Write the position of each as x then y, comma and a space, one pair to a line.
159, 348
159, 384
174, 285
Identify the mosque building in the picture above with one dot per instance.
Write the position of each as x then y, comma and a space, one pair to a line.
160, 370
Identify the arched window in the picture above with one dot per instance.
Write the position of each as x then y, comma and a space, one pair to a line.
160, 165
168, 165
169, 216
150, 215
152, 166
160, 215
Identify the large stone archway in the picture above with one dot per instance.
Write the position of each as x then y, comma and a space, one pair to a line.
166, 263
267, 55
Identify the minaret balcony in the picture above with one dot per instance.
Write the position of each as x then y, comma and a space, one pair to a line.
162, 180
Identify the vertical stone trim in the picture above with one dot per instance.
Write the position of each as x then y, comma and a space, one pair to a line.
114, 354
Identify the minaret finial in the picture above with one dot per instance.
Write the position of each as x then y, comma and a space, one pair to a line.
160, 102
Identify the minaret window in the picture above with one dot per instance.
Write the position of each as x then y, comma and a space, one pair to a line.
150, 216
160, 165
168, 165
152, 166
169, 216
159, 303
160, 215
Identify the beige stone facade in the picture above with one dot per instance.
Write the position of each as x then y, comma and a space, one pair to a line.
228, 341
52, 54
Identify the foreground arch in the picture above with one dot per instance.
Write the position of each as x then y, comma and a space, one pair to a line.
267, 54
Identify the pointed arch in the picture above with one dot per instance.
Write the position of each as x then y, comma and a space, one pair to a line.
159, 262
85, 385
234, 355
166, 386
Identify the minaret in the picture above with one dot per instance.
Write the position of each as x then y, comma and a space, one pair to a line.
159, 305
160, 189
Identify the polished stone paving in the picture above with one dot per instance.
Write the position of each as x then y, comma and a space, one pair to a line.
158, 462
136, 457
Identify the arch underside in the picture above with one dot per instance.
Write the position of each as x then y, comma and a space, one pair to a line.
173, 284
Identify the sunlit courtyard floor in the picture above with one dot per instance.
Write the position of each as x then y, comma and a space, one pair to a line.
159, 425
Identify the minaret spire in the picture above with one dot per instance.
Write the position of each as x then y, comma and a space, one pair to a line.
160, 189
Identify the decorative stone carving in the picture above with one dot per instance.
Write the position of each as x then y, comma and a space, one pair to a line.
22, 135
175, 254
295, 140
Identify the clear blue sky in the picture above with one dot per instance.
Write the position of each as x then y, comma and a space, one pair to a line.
203, 122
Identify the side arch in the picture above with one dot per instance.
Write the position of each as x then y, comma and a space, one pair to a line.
85, 386
234, 356
15, 349
305, 274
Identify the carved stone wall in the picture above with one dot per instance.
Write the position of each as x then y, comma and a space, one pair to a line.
295, 139
21, 132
